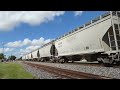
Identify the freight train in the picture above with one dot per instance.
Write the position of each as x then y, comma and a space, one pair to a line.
97, 40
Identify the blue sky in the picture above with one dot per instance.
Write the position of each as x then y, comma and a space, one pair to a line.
25, 31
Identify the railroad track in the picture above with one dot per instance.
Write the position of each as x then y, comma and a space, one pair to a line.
65, 73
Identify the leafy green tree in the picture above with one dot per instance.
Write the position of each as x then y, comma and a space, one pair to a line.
12, 57
1, 56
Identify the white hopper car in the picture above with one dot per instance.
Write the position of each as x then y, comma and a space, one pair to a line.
45, 52
24, 57
97, 40
27, 57
35, 55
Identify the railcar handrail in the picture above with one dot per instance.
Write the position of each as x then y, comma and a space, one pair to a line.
87, 24
105, 15
96, 19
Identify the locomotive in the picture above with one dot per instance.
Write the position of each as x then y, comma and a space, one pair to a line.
97, 40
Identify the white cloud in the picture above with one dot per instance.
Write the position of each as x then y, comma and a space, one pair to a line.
6, 50
30, 48
33, 45
11, 19
78, 13
28, 45
27, 49
14, 44
40, 41
27, 42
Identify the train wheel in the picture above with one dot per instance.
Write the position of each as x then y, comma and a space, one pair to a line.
100, 62
72, 61
66, 61
110, 64
118, 63
42, 60
62, 61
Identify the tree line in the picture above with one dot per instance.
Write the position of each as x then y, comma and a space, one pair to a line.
12, 57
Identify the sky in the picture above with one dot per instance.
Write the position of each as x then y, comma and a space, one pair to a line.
24, 31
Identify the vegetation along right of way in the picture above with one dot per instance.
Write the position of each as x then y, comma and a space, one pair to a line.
11, 70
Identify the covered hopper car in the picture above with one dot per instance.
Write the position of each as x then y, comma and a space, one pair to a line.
97, 40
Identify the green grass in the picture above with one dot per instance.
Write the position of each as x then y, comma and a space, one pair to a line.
13, 71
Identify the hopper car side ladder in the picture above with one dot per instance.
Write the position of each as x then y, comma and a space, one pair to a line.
114, 37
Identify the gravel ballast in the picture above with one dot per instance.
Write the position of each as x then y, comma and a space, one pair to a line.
38, 73
103, 71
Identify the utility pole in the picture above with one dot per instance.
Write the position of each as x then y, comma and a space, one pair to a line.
3, 49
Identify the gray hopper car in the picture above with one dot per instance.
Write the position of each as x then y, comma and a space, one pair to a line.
98, 40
